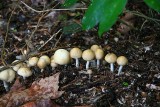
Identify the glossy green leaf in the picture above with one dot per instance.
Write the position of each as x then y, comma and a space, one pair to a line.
111, 15
154, 4
69, 3
103, 12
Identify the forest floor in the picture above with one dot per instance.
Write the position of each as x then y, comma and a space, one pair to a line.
42, 32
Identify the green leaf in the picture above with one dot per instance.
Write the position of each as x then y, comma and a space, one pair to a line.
154, 4
125, 84
103, 12
69, 3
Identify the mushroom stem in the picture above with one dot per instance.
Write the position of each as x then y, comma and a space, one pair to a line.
98, 63
42, 70
77, 62
87, 65
5, 85
24, 78
120, 69
53, 68
112, 67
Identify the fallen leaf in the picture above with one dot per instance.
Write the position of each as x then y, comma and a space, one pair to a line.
128, 18
46, 88
17, 86
40, 103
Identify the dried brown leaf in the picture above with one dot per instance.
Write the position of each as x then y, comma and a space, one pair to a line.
46, 88
17, 86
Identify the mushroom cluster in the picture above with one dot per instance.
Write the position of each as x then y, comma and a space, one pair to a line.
23, 69
63, 57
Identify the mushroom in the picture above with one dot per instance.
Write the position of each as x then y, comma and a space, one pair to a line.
121, 60
88, 55
111, 58
61, 57
32, 61
53, 64
76, 53
89, 71
94, 47
17, 66
24, 72
7, 75
43, 62
99, 53
46, 58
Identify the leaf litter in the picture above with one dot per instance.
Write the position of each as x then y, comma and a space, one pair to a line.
43, 90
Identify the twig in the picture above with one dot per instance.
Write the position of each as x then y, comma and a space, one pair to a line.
50, 39
57, 41
51, 9
142, 15
6, 36
39, 20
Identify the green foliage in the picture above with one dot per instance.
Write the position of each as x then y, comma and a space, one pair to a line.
125, 84
106, 12
69, 3
103, 12
154, 4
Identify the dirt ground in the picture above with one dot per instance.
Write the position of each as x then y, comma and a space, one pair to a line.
39, 33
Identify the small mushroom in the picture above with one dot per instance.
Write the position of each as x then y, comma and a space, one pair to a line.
17, 66
89, 72
53, 64
41, 64
121, 60
99, 53
61, 57
76, 53
88, 55
7, 75
32, 61
46, 58
111, 58
24, 72
94, 47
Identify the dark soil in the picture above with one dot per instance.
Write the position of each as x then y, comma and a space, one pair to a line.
137, 86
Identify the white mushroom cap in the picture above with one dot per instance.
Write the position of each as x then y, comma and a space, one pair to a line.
111, 58
11, 74
17, 66
99, 53
24, 72
41, 63
32, 61
53, 63
46, 58
4, 75
7, 75
89, 71
76, 53
88, 55
62, 57
122, 60
94, 47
